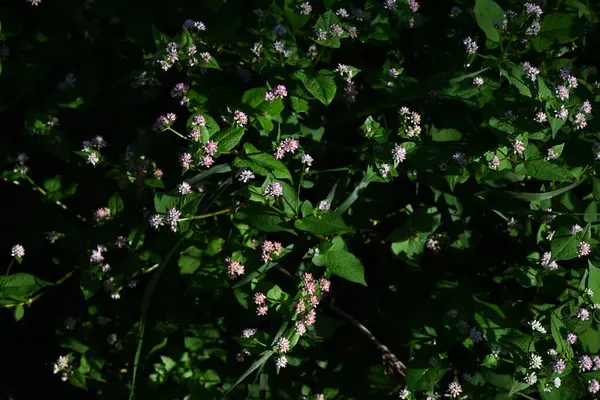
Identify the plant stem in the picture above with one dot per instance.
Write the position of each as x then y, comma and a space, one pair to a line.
39, 189
177, 133
10, 266
225, 211
389, 358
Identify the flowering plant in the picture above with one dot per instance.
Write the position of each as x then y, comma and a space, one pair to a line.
303, 199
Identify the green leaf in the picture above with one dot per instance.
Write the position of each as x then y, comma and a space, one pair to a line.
593, 281
289, 199
490, 17
267, 220
503, 195
306, 209
329, 224
291, 13
556, 124
543, 170
596, 189
445, 135
75, 345
227, 139
544, 93
564, 247
345, 265
517, 387
164, 201
516, 76
423, 379
560, 27
262, 163
324, 24
54, 184
424, 220
256, 365
374, 130
322, 86
559, 332
20, 286
189, 260
115, 203
254, 97
19, 312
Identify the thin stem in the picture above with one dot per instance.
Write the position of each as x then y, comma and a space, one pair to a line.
318, 58
299, 189
39, 189
10, 266
175, 132
225, 211
277, 209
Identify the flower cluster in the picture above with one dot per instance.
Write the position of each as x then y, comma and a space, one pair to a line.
235, 269
270, 249
279, 92
287, 145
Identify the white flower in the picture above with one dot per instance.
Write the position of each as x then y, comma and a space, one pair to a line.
575, 229
384, 170
17, 251
535, 361
557, 382
454, 389
281, 361
531, 378
184, 188
478, 81
588, 292
404, 394
246, 175
537, 326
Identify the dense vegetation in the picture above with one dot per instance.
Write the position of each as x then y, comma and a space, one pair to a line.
295, 199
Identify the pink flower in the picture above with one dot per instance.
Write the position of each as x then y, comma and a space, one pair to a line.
207, 161
584, 249
259, 298
413, 6
235, 269
586, 107
185, 160
287, 145
262, 310
310, 318
325, 284
559, 366
240, 118
283, 345
583, 314
571, 338
247, 333
585, 363
164, 121
273, 190
102, 214
594, 386
195, 135
199, 120
269, 249
210, 148
300, 307
562, 92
